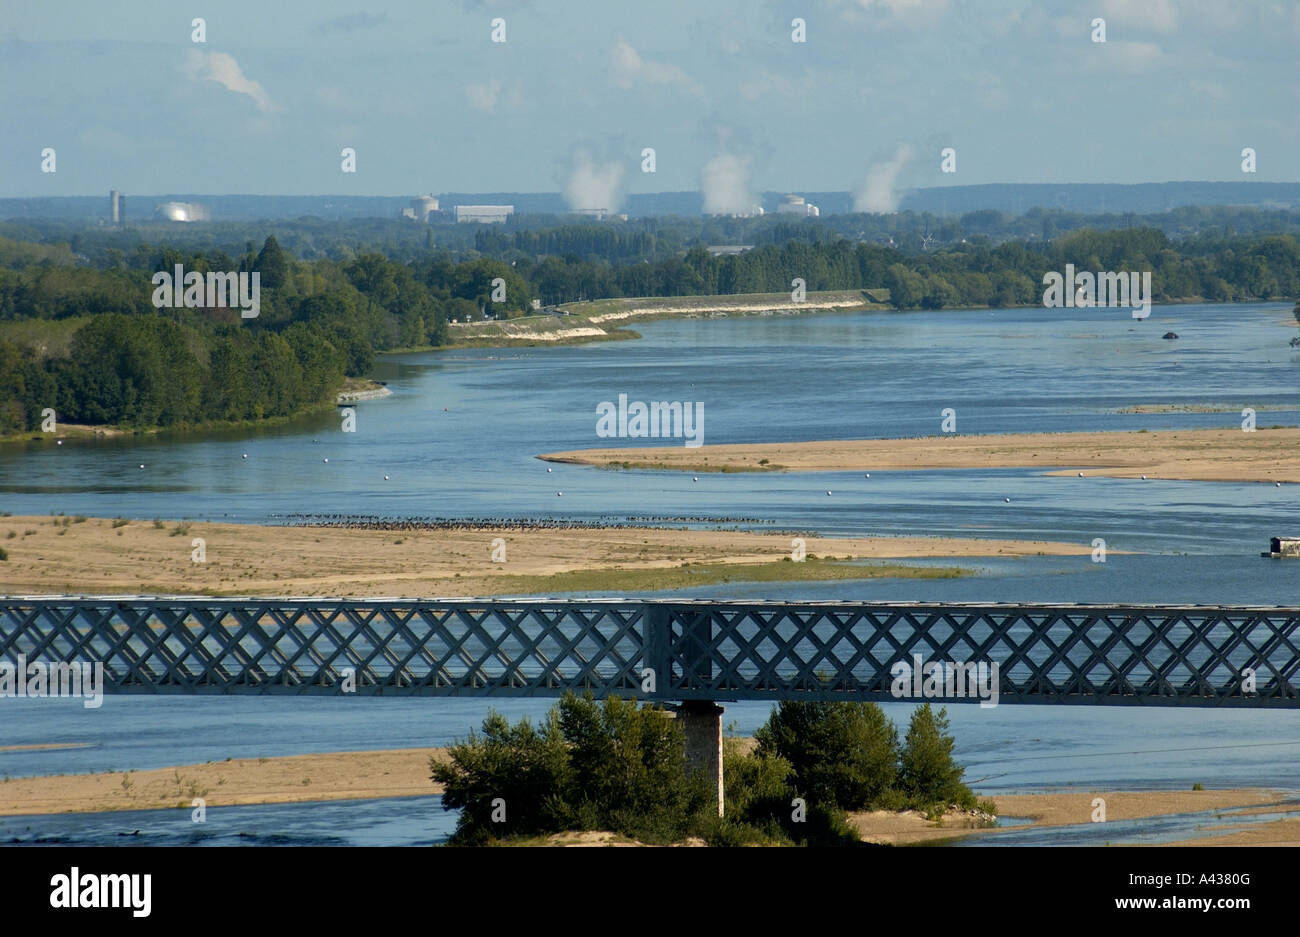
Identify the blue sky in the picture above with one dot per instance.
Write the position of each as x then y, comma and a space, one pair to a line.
579, 87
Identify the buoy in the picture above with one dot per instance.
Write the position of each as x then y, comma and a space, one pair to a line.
868, 475
828, 492
559, 494
245, 455
1144, 478
548, 471
385, 478
60, 442
326, 461
695, 478
1081, 475
1277, 484
141, 465
1008, 500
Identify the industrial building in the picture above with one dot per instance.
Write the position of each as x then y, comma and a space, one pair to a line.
795, 205
484, 214
182, 211
421, 207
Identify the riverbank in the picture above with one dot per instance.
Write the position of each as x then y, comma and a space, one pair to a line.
352, 390
602, 319
405, 773
101, 555
1265, 455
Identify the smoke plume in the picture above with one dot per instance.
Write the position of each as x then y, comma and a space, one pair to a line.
879, 193
593, 186
724, 183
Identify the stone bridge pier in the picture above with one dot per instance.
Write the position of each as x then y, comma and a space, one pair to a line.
702, 723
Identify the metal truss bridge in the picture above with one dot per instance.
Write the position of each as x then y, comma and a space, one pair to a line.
691, 650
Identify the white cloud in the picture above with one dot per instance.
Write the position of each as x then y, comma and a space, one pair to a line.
1157, 15
1124, 56
631, 70
918, 11
765, 85
225, 71
484, 96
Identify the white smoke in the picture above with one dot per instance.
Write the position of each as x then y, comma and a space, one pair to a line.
225, 71
593, 186
724, 183
879, 193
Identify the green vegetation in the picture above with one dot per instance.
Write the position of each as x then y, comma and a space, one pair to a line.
618, 768
79, 332
812, 569
848, 755
611, 766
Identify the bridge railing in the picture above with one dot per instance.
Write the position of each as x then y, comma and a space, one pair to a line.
670, 650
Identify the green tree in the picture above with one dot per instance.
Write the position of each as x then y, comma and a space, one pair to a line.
593, 766
927, 773
272, 263
514, 769
840, 753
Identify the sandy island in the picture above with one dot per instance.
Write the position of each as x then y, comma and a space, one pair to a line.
101, 555
1231, 455
405, 773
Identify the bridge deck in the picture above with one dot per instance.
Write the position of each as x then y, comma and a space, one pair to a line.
696, 650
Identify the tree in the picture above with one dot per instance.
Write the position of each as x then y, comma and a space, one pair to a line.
927, 773
508, 769
272, 264
592, 766
841, 753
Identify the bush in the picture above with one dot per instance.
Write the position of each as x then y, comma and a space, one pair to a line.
842, 754
760, 806
611, 766
927, 773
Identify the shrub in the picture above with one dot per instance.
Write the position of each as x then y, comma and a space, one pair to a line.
842, 754
609, 766
759, 806
927, 773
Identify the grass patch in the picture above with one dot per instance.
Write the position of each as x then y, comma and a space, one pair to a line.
706, 574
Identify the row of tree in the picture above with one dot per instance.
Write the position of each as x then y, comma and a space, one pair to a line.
614, 766
89, 342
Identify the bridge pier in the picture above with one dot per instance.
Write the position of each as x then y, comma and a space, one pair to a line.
702, 722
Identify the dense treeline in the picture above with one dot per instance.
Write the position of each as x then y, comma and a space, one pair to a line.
618, 767
534, 237
90, 344
88, 341
973, 274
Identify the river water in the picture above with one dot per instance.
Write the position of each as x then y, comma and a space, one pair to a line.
459, 436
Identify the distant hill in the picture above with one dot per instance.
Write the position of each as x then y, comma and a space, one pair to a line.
1010, 198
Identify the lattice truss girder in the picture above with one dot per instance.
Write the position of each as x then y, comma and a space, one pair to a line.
697, 650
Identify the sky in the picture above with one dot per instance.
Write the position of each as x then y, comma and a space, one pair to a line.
730, 104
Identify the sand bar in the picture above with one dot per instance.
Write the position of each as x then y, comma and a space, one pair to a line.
90, 556
1265, 455
405, 773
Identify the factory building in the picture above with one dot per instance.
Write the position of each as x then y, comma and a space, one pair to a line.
182, 211
484, 214
421, 208
795, 205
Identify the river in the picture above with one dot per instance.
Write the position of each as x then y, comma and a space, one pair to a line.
459, 436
